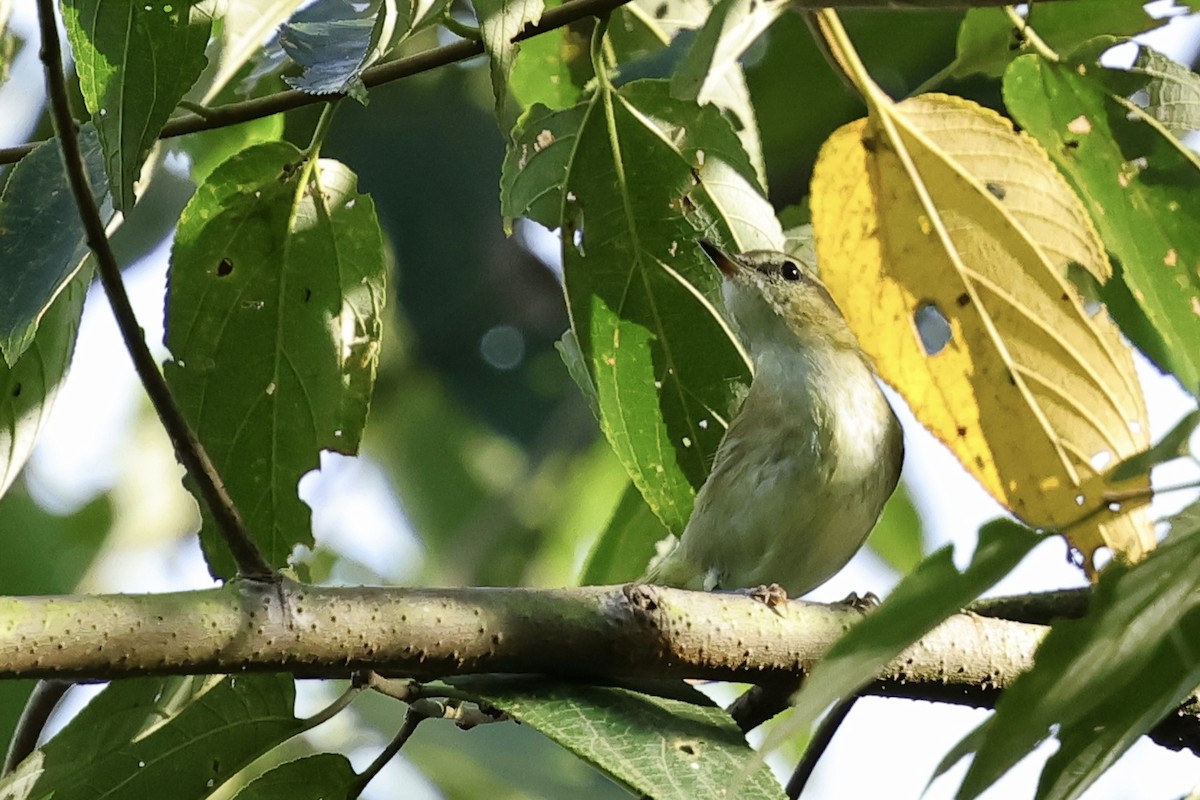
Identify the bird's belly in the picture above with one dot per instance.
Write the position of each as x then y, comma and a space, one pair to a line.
794, 517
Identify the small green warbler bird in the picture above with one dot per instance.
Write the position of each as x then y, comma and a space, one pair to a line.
814, 452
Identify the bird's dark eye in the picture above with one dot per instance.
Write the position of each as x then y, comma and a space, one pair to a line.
790, 271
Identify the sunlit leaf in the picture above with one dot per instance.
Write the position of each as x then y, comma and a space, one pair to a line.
135, 60
1139, 182
273, 319
936, 208
661, 747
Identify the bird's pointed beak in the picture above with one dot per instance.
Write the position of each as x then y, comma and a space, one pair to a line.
727, 265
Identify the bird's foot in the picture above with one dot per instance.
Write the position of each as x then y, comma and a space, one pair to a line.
863, 603
772, 596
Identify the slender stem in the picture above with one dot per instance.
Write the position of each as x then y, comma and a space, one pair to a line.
411, 720
42, 701
250, 561
817, 747
1028, 33
333, 709
320, 132
459, 28
835, 42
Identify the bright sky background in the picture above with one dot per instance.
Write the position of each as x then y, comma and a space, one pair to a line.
887, 748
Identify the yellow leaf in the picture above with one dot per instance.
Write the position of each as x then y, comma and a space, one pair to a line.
936, 207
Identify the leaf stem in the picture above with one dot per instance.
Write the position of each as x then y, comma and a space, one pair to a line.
459, 28
835, 42
249, 559
411, 720
1030, 35
320, 132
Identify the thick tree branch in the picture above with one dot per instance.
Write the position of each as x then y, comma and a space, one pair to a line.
602, 634
247, 556
236, 113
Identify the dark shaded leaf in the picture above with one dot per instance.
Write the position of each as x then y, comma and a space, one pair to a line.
273, 317
41, 237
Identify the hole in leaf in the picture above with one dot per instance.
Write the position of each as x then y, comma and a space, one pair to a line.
224, 268
932, 327
16, 390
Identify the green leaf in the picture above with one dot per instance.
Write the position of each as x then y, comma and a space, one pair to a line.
324, 776
728, 32
1139, 183
638, 176
664, 748
274, 311
28, 387
135, 60
141, 735
625, 548
499, 22
898, 537
41, 237
551, 68
988, 40
1104, 680
334, 41
922, 599
1173, 91
1173, 445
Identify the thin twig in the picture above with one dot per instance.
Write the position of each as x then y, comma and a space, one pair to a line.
818, 745
411, 720
250, 561
42, 701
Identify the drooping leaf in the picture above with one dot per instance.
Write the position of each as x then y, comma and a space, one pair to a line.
324, 776
334, 41
661, 747
636, 282
140, 735
499, 22
273, 318
1139, 182
731, 27
926, 596
1104, 679
28, 387
135, 60
936, 208
41, 237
